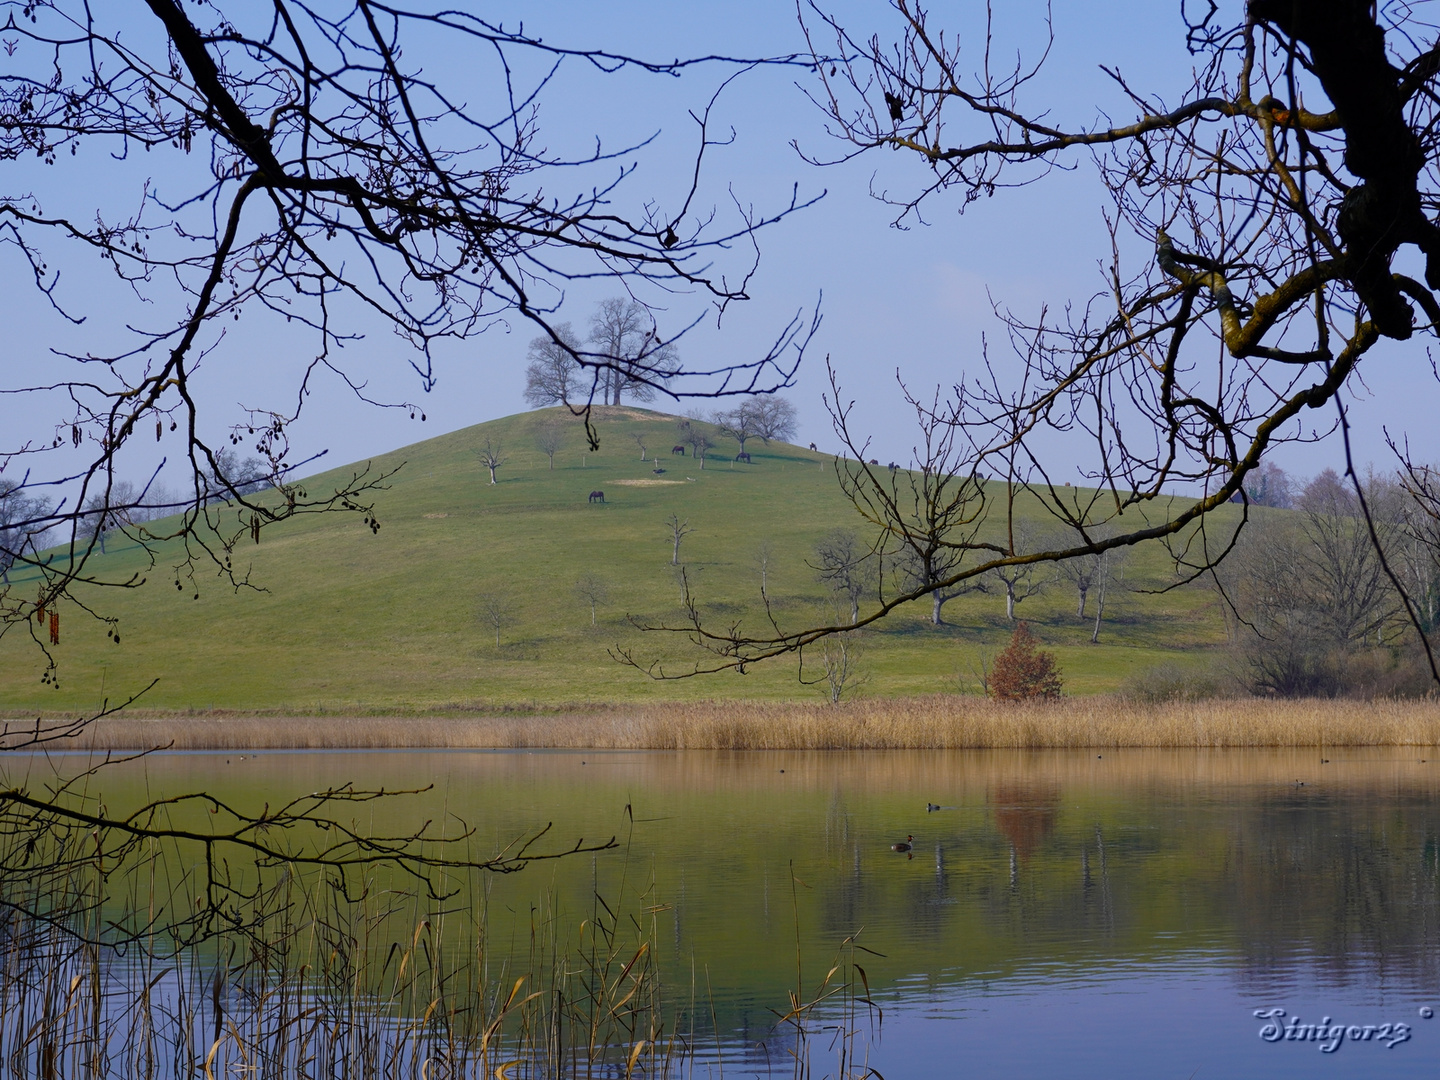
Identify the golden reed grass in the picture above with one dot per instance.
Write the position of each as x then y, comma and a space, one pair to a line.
932, 722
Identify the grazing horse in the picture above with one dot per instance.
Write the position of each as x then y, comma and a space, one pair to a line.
874, 461
678, 450
742, 456
597, 496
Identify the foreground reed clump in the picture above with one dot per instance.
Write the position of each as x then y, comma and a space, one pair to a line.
361, 981
933, 722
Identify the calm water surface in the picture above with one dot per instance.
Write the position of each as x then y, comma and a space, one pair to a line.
1063, 913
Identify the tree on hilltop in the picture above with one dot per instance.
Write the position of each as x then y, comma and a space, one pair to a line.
775, 418
762, 416
553, 375
739, 423
627, 344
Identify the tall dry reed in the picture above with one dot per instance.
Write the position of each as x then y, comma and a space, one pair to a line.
933, 722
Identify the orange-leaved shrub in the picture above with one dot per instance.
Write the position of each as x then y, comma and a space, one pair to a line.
1022, 671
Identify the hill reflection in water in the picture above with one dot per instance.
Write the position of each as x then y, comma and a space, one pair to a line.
1124, 886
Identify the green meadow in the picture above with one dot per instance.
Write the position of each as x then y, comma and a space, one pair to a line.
343, 621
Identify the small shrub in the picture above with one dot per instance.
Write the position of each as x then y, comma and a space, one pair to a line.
1171, 682
1022, 671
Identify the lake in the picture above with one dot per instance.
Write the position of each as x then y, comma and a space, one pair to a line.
1078, 913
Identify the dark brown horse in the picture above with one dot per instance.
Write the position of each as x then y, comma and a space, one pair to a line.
742, 456
678, 450
597, 496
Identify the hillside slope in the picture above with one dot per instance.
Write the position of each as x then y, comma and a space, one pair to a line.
353, 622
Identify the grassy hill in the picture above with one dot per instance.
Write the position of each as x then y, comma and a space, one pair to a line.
354, 622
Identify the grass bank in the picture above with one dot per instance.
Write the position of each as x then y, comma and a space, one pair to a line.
929, 722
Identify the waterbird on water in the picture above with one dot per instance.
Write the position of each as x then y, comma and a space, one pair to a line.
907, 844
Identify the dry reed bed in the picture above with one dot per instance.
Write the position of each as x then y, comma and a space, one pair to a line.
934, 722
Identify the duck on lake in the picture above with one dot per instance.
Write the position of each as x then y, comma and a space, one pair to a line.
908, 844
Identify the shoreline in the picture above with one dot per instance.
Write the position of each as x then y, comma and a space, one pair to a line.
923, 723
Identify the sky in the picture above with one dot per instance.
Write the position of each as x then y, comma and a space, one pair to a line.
912, 302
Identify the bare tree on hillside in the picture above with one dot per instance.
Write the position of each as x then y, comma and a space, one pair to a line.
549, 438
1306, 595
841, 661
497, 611
1020, 581
914, 571
764, 555
693, 435
1269, 485
594, 591
924, 516
842, 656
1259, 250
775, 419
23, 520
639, 437
1110, 566
1350, 595
678, 530
1085, 572
846, 567
231, 477
1082, 571
1265, 592
492, 456
103, 514
764, 417
1417, 544
553, 376
738, 423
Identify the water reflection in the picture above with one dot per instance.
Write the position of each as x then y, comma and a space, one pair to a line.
1025, 815
1116, 887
